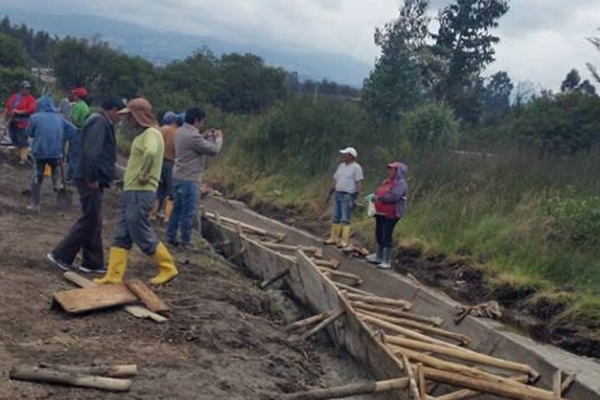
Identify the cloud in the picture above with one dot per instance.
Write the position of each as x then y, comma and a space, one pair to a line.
541, 39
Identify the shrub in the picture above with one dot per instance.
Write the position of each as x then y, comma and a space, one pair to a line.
430, 127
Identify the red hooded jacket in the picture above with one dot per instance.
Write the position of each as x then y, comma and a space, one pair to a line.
24, 103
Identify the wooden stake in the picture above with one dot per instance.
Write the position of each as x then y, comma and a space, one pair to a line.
464, 354
306, 322
380, 300
46, 375
323, 324
351, 289
405, 331
112, 371
411, 379
274, 279
556, 384
397, 313
463, 339
353, 389
468, 393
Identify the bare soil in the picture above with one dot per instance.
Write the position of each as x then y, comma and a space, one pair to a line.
222, 341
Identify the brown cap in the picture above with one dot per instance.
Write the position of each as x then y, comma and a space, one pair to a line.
141, 109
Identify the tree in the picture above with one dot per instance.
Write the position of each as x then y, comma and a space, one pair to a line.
571, 82
496, 100
595, 41
466, 45
396, 83
12, 54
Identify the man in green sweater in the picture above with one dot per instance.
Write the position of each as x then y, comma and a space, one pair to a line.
79, 114
139, 190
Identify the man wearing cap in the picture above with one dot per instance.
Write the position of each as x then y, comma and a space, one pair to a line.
347, 185
139, 190
79, 114
19, 107
96, 165
164, 197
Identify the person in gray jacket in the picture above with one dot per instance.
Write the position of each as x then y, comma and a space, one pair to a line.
190, 148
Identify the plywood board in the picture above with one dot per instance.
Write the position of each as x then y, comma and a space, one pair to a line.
94, 298
146, 295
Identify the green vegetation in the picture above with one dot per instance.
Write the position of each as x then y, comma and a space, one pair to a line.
509, 180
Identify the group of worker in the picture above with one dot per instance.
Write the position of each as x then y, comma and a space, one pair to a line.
170, 157
388, 204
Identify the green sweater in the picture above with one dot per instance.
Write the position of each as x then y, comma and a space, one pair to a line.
79, 113
145, 161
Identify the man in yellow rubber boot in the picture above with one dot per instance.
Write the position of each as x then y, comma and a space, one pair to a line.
347, 185
139, 187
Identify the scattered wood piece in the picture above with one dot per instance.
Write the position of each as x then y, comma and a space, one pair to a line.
355, 251
355, 279
557, 384
490, 309
136, 311
351, 289
412, 383
323, 324
332, 264
146, 295
397, 313
111, 371
246, 227
501, 387
265, 284
45, 375
465, 355
567, 383
353, 389
318, 253
289, 247
463, 339
421, 382
306, 322
407, 305
78, 301
468, 393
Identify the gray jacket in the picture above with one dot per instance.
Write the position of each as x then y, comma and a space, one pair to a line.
190, 147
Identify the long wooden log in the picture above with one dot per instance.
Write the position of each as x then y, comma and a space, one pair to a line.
307, 321
445, 365
468, 393
397, 313
568, 382
556, 384
407, 305
111, 371
465, 355
463, 339
323, 324
506, 387
357, 280
353, 389
247, 227
405, 331
421, 382
351, 289
289, 247
331, 264
45, 375
136, 311
412, 382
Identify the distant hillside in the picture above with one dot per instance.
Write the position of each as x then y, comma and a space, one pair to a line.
162, 47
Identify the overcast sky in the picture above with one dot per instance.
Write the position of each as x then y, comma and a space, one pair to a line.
541, 39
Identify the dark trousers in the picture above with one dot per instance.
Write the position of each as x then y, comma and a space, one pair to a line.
384, 230
86, 233
38, 177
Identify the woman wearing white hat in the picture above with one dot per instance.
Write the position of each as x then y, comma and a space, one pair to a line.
348, 178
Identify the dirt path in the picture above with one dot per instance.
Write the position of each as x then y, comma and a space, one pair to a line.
223, 340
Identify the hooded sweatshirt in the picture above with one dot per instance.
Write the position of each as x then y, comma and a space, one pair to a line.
21, 102
392, 194
49, 130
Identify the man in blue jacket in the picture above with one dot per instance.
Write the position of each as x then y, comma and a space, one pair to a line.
49, 131
94, 173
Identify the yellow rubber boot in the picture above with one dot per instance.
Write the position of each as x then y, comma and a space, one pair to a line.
117, 264
166, 265
335, 234
345, 237
168, 209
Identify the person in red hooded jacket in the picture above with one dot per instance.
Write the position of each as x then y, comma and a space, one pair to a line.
390, 204
19, 107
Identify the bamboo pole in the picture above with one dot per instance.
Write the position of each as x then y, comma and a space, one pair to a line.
380, 300
111, 371
45, 375
506, 388
353, 389
406, 332
419, 326
307, 321
468, 393
323, 324
397, 313
465, 355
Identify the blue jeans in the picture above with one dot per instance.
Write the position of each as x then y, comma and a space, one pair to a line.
184, 210
134, 225
342, 208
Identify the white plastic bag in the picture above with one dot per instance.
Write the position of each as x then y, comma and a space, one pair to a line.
371, 209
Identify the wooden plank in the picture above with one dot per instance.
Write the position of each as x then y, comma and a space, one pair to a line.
77, 301
146, 295
136, 311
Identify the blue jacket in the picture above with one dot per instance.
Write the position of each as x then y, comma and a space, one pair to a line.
49, 130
